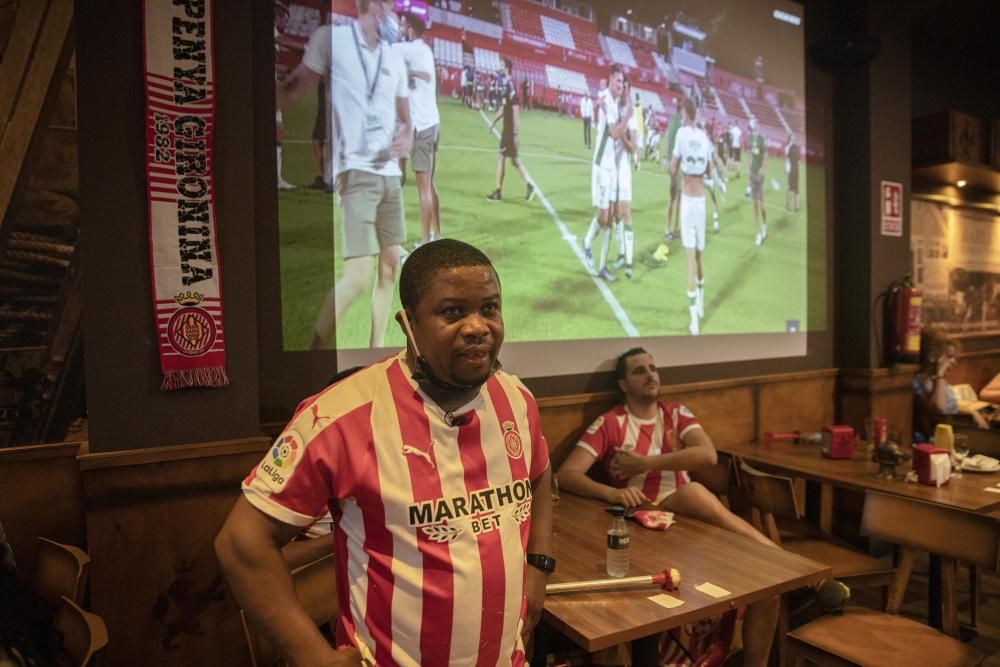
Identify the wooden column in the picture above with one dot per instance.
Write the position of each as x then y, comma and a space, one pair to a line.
877, 392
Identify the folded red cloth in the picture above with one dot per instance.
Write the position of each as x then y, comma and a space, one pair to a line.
654, 519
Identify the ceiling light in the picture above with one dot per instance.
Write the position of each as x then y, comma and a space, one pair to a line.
960, 183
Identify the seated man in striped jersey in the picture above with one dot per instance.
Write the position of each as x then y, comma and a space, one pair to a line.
647, 447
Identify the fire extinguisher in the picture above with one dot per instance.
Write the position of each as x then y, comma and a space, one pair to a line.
903, 307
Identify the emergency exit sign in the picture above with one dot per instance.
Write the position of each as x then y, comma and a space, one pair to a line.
892, 208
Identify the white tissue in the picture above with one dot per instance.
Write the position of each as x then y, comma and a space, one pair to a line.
940, 468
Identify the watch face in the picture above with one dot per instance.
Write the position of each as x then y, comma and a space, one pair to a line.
542, 562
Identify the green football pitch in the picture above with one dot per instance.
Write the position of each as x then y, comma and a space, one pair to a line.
535, 246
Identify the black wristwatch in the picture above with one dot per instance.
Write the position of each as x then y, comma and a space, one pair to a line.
546, 564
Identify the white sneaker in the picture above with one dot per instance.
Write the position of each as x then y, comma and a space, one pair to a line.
285, 185
759, 239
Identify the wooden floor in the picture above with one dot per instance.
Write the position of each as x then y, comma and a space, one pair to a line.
915, 606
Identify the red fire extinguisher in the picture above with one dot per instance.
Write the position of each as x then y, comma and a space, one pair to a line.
904, 307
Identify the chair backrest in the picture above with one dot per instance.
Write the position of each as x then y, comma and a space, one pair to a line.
972, 538
83, 632
60, 570
769, 493
717, 478
315, 586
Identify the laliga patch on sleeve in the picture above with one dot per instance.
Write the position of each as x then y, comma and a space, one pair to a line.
280, 460
664, 600
598, 423
685, 412
713, 590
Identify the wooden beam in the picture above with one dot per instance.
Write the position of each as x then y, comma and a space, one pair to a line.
17, 134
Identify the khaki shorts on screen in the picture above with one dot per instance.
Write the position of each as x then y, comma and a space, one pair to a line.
372, 207
757, 186
425, 148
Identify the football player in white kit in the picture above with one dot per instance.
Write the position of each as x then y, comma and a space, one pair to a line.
609, 129
692, 157
625, 149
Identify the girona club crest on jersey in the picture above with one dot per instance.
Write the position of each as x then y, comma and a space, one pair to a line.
512, 440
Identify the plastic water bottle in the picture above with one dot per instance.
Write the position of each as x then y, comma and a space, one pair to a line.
618, 544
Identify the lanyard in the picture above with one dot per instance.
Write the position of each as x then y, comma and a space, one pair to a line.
370, 85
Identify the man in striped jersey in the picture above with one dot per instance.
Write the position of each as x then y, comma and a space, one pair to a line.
645, 448
435, 469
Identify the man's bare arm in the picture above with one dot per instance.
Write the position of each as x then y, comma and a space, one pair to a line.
301, 81
249, 551
573, 478
539, 542
698, 452
402, 142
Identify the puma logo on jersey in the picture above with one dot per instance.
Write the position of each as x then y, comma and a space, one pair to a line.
317, 417
428, 456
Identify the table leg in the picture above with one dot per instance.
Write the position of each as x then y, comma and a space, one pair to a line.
949, 606
897, 590
934, 591
826, 508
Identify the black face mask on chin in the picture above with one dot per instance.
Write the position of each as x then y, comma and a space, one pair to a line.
425, 374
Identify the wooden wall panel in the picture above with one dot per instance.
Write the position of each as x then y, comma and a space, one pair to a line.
728, 415
41, 497
803, 403
879, 392
152, 516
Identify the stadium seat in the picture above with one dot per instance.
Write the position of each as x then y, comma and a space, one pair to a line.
566, 80
557, 32
487, 60
618, 51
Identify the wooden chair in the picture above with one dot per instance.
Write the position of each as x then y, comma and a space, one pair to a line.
83, 632
60, 570
864, 637
718, 479
315, 585
774, 497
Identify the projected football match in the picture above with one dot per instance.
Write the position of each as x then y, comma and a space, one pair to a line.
631, 173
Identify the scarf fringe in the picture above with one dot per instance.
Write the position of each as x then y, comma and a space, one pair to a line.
213, 376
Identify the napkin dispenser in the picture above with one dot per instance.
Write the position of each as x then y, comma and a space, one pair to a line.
838, 442
932, 464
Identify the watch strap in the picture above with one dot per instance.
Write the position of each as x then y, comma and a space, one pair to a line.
544, 563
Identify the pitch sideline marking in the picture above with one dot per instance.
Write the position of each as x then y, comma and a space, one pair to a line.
570, 239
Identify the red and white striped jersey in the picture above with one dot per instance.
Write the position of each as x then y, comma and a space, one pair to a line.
431, 520
619, 430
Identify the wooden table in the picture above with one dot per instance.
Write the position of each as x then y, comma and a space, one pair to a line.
858, 472
750, 571
964, 493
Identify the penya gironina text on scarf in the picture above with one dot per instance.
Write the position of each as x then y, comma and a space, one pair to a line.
183, 244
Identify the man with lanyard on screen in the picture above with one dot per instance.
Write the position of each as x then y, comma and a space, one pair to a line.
692, 157
371, 129
435, 468
645, 448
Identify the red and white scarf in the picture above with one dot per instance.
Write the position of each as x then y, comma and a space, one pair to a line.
183, 246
